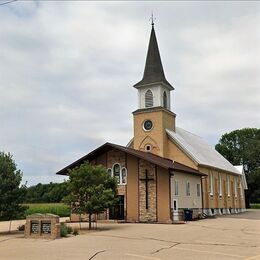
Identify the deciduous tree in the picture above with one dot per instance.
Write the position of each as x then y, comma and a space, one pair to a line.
11, 191
242, 147
92, 190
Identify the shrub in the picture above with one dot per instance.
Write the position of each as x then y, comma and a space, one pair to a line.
63, 230
69, 230
75, 232
21, 227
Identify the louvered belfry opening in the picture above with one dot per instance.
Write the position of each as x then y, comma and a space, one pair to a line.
165, 100
148, 98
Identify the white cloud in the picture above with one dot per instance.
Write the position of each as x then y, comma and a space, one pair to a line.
67, 70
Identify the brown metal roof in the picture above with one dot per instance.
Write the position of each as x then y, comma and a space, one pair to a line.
158, 160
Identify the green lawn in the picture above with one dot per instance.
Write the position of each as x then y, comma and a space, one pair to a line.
255, 206
54, 208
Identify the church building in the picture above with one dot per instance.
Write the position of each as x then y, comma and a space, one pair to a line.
165, 169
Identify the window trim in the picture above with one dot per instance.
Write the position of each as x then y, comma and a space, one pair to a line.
228, 186
198, 190
211, 191
120, 173
123, 183
176, 184
148, 98
220, 185
165, 100
188, 189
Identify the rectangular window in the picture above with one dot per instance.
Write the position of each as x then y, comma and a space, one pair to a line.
176, 185
235, 186
198, 189
228, 185
220, 185
187, 188
210, 184
241, 190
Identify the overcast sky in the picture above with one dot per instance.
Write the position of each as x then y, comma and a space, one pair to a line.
67, 71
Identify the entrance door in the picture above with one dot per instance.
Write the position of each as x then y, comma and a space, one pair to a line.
117, 212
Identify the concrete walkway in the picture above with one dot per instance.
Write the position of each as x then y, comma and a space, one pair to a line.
226, 237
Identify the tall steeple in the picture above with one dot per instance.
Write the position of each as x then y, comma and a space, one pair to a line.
153, 71
153, 115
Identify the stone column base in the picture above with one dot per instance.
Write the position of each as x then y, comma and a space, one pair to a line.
226, 212
217, 212
208, 212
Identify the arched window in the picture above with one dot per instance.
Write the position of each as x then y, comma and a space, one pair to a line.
164, 99
148, 98
124, 176
109, 171
116, 172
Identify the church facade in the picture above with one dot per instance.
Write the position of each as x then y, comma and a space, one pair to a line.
165, 169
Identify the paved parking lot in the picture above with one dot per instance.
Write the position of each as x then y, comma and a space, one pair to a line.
226, 237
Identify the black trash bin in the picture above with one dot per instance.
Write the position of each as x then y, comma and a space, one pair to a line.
188, 214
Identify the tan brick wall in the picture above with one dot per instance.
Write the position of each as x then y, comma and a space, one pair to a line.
149, 214
161, 119
176, 154
224, 201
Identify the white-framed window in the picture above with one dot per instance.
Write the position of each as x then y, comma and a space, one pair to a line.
176, 188
228, 185
148, 147
187, 188
241, 190
109, 171
119, 173
220, 185
198, 190
124, 175
235, 186
210, 184
148, 98
116, 172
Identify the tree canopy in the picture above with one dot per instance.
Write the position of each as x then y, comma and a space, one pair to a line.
11, 191
46, 193
92, 190
242, 147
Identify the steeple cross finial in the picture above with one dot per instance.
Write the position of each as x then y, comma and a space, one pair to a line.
152, 19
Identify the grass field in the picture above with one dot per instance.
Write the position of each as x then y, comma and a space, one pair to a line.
54, 208
255, 206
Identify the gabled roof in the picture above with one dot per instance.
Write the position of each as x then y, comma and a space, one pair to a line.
157, 160
153, 72
240, 168
200, 151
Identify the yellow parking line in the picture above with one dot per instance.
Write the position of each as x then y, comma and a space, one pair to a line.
145, 257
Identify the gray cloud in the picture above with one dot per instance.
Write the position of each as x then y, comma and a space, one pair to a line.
67, 70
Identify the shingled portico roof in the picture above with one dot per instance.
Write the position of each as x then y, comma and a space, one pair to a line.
153, 72
157, 160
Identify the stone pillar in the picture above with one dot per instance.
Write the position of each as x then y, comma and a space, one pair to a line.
42, 226
147, 214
